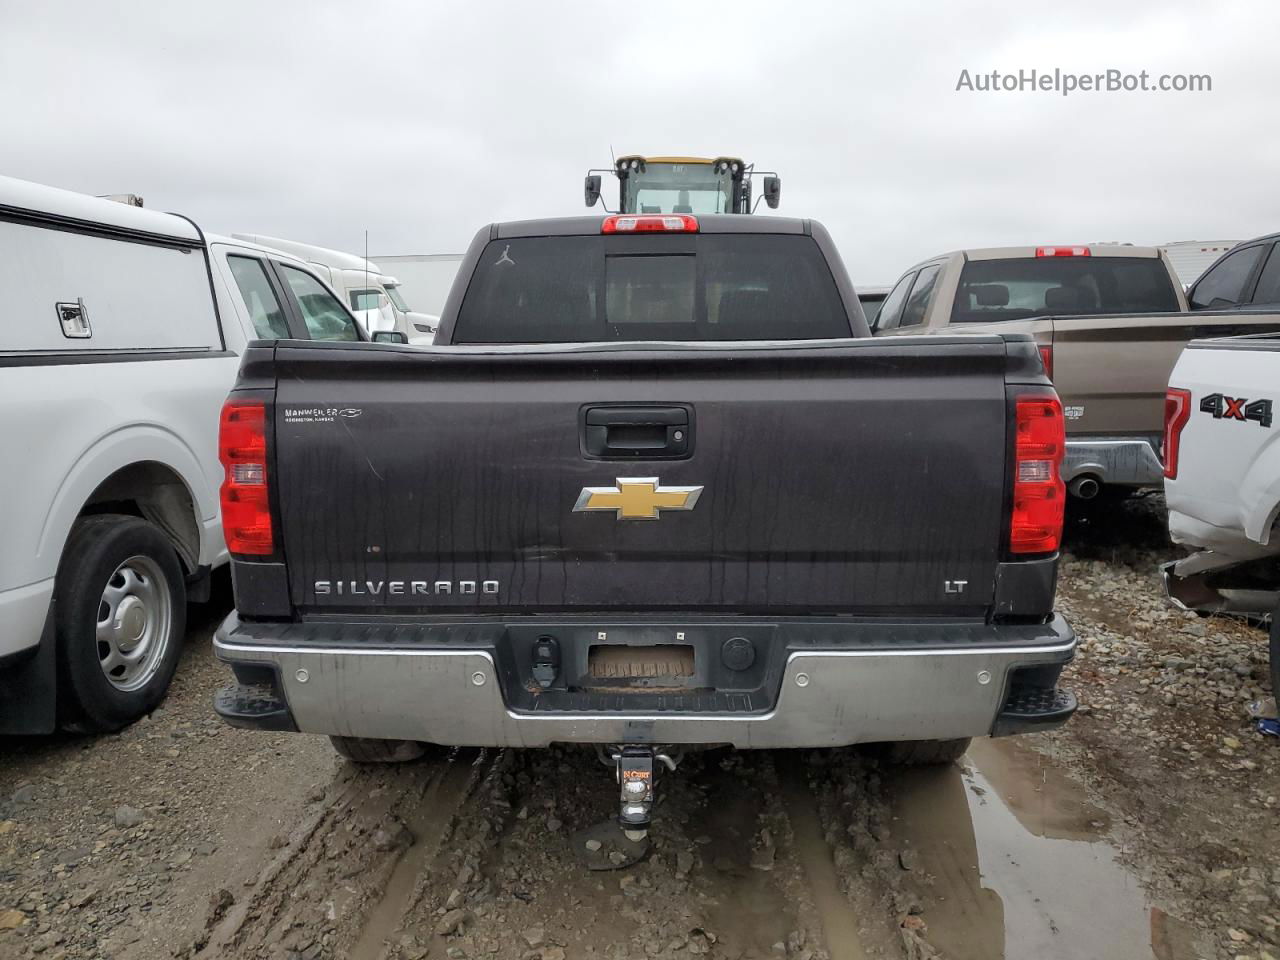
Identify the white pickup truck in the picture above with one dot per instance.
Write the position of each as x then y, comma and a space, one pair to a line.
122, 333
1222, 478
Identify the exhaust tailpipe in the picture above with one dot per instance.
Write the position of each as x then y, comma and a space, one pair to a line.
1086, 487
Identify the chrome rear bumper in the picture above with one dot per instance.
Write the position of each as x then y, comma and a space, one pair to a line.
1126, 462
825, 698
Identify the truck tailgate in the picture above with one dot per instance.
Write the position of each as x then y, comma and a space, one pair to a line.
1112, 371
858, 477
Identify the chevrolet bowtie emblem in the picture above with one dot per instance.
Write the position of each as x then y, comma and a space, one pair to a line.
637, 498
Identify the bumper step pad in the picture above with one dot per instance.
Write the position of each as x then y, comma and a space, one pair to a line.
256, 706
1030, 709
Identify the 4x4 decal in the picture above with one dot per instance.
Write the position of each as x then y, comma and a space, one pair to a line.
1237, 408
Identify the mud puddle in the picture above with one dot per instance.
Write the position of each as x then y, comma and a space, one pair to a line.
1020, 865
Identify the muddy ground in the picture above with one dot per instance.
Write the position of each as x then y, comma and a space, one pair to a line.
1147, 828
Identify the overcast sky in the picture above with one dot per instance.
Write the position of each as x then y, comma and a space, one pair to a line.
422, 121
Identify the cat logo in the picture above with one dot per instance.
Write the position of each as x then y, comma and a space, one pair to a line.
637, 498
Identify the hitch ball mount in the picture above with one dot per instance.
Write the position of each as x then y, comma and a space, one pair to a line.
636, 773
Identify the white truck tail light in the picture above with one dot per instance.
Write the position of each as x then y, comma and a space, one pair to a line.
1039, 495
1177, 410
242, 448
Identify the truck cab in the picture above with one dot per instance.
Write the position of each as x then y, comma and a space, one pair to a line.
1245, 278
370, 294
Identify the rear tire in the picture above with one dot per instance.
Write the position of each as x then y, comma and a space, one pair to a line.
120, 618
926, 753
364, 750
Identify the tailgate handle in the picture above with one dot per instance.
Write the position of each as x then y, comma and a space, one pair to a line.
638, 433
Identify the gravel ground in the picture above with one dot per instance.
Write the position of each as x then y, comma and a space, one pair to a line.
183, 838
1164, 737
112, 846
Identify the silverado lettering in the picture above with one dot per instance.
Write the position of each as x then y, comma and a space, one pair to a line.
396, 588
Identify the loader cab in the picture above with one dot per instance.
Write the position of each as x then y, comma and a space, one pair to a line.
679, 185
687, 185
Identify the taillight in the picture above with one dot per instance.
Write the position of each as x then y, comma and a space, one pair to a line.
650, 223
1062, 251
1046, 357
1177, 410
1038, 491
242, 448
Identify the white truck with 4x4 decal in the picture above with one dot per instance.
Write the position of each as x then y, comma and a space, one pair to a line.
1222, 478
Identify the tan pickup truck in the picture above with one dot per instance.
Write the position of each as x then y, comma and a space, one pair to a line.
1111, 320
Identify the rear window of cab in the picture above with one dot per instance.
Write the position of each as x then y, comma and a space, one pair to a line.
1021, 287
674, 287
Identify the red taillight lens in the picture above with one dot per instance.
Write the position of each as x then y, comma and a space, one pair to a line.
1046, 357
650, 223
1177, 410
1038, 491
1062, 251
242, 448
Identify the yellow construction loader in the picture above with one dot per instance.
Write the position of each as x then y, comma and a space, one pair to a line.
684, 185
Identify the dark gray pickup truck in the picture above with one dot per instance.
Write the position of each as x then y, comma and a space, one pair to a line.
654, 487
